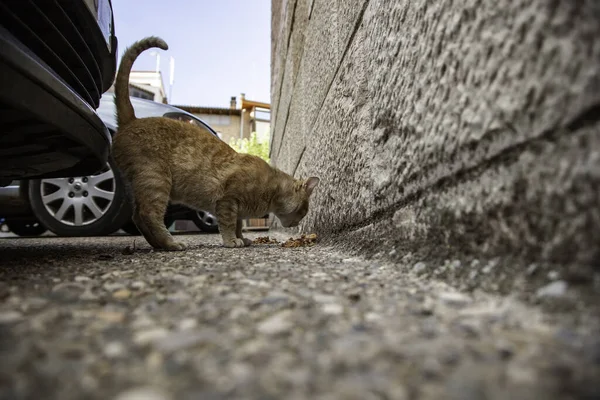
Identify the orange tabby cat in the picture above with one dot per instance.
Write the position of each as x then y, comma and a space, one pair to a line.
164, 159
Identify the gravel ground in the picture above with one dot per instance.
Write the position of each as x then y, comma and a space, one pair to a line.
83, 319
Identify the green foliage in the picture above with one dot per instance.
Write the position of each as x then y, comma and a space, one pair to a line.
253, 146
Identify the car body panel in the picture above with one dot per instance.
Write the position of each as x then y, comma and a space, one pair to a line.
143, 109
55, 63
36, 96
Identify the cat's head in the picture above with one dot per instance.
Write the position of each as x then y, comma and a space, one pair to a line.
292, 205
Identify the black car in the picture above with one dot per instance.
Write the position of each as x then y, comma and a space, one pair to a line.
93, 204
57, 58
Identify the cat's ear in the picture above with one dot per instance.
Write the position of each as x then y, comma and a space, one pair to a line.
310, 184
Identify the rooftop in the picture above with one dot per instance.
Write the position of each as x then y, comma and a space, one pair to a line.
209, 110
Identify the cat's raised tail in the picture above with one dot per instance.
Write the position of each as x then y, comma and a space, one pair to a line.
125, 112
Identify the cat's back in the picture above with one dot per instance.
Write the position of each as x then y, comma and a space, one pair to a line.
160, 134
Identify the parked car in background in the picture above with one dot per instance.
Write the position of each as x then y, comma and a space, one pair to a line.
56, 60
91, 204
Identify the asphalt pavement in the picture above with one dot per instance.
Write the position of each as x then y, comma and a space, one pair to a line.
93, 318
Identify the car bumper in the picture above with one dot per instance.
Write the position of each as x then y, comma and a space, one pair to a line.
50, 130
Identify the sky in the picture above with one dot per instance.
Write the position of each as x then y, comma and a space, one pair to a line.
221, 47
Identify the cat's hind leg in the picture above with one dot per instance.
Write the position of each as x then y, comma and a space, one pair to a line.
151, 192
238, 233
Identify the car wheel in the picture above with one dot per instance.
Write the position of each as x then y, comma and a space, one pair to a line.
81, 206
205, 221
25, 227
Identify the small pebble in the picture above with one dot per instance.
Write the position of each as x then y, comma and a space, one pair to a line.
372, 317
36, 303
471, 328
473, 274
184, 339
333, 308
88, 295
449, 356
521, 375
553, 275
454, 298
114, 350
113, 286
431, 368
68, 291
143, 322
107, 275
73, 351
276, 324
150, 335
505, 349
489, 267
138, 285
419, 267
122, 294
354, 297
554, 289
111, 316
9, 317
531, 269
188, 323
143, 393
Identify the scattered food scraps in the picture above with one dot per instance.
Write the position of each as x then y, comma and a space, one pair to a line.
129, 250
265, 240
302, 241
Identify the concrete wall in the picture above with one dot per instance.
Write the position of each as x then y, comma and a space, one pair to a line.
450, 127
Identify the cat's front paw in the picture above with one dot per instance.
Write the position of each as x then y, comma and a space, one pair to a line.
174, 246
247, 242
234, 243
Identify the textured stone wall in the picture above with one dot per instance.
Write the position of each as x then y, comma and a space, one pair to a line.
465, 126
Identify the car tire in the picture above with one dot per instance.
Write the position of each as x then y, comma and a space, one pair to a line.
25, 227
131, 229
82, 206
205, 221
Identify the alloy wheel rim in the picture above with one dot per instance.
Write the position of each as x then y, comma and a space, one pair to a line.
207, 218
79, 201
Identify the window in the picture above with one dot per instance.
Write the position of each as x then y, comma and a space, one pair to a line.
135, 92
213, 119
260, 114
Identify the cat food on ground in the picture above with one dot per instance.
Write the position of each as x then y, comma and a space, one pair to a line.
302, 241
265, 240
129, 250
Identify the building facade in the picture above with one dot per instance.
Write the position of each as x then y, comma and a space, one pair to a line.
238, 121
146, 85
151, 81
